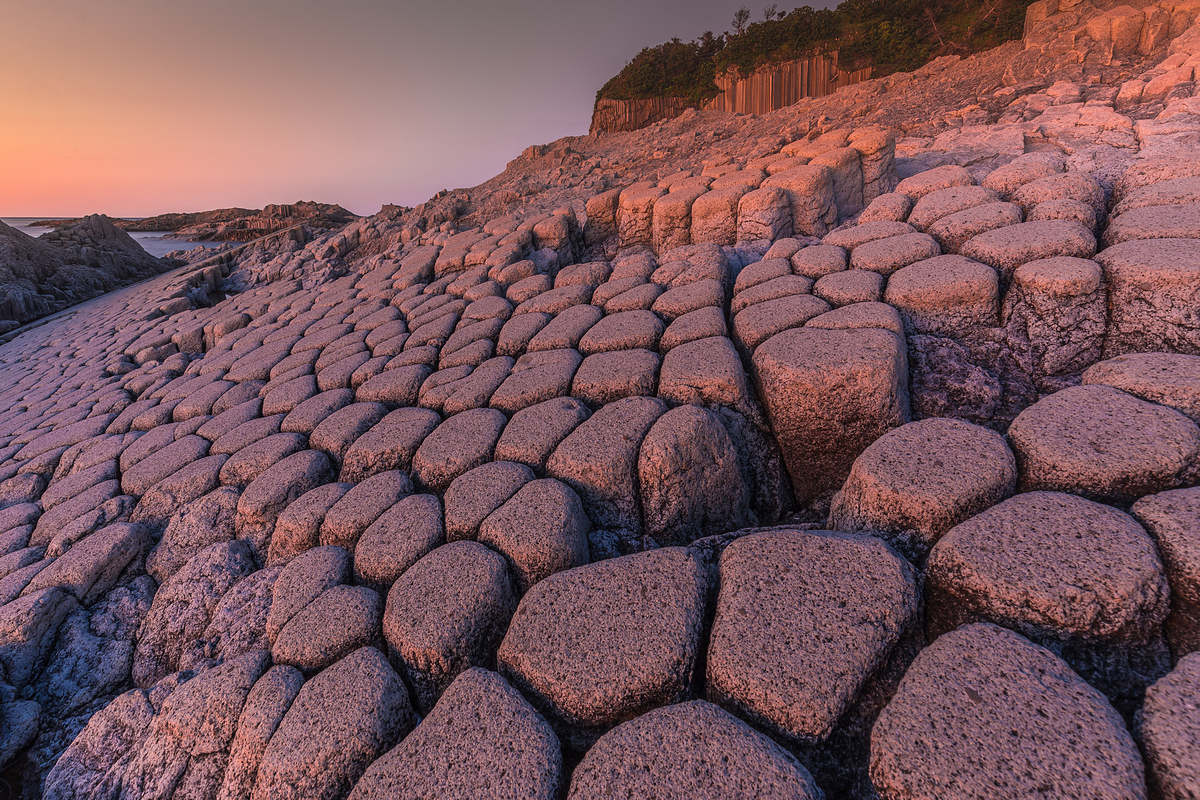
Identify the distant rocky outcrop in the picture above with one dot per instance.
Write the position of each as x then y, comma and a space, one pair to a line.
321, 216
71, 264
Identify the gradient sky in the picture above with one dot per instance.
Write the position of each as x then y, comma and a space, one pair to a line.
140, 107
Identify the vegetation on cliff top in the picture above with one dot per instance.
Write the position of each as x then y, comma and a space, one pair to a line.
888, 35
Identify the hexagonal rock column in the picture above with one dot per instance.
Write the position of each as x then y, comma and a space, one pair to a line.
483, 741
690, 481
270, 493
599, 461
1173, 519
340, 722
803, 621
1099, 442
829, 394
447, 613
691, 750
1153, 285
810, 190
1055, 315
596, 645
1170, 732
983, 713
1169, 379
945, 296
1080, 578
541, 530
915, 483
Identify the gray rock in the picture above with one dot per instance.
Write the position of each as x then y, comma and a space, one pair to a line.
346, 520
1152, 285
341, 721
458, 445
829, 394
303, 580
1101, 443
336, 433
803, 621
253, 460
397, 540
691, 484
599, 461
474, 495
205, 521
446, 614
541, 530
92, 566
594, 646
983, 713
183, 608
27, 629
339, 620
1010, 247
946, 296
534, 432
389, 444
271, 492
483, 741
1170, 734
690, 750
1173, 519
915, 483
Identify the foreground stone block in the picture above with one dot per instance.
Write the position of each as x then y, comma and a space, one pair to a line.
1170, 732
483, 741
803, 620
690, 750
599, 644
1099, 442
915, 483
340, 722
1173, 519
983, 713
1080, 578
829, 394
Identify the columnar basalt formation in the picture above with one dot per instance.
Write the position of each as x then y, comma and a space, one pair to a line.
800, 458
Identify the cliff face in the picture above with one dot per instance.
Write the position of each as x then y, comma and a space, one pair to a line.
765, 90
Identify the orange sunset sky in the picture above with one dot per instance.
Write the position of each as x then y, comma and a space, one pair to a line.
134, 108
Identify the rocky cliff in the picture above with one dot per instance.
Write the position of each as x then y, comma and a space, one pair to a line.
766, 89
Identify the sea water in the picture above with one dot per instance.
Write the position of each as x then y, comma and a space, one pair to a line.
152, 242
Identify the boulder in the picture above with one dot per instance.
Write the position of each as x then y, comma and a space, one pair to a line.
535, 431
398, 539
341, 721
1173, 519
338, 621
474, 495
483, 741
598, 459
691, 484
446, 614
390, 444
803, 621
458, 445
541, 530
1099, 442
1170, 734
596, 645
916, 482
982, 710
690, 750
829, 394
1168, 379
1080, 578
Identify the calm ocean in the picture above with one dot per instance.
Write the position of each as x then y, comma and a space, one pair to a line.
152, 243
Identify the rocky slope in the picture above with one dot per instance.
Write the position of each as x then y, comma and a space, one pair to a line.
845, 451
71, 264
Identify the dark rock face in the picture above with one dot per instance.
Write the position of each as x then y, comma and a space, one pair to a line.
69, 265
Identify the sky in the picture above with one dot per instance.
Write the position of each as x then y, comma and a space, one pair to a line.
142, 107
